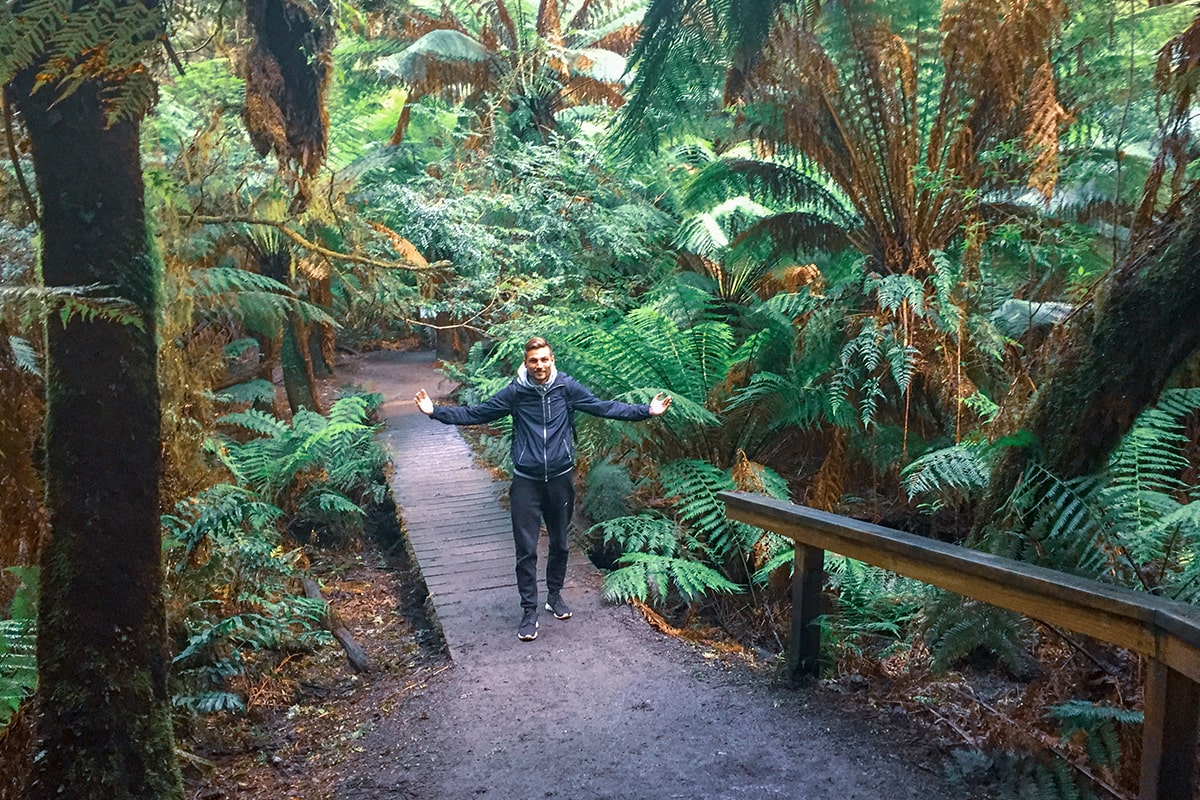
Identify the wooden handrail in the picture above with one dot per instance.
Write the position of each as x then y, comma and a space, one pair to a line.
1166, 632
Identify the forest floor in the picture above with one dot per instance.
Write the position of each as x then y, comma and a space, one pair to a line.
677, 718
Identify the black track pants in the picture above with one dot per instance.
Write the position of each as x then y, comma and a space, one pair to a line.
532, 502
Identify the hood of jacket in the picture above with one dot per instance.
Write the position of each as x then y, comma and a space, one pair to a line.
524, 380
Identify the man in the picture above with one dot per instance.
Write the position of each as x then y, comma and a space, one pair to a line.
541, 401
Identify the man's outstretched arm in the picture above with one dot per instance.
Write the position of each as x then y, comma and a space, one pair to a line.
495, 407
583, 400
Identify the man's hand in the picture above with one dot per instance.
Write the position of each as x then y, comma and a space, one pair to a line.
659, 405
426, 405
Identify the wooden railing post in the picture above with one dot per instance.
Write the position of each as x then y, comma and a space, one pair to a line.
1165, 632
1168, 734
804, 645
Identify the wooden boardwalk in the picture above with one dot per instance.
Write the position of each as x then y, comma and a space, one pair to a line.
452, 512
599, 707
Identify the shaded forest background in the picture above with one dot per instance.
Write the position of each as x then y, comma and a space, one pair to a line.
930, 265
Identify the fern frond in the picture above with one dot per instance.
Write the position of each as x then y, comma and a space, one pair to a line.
692, 486
256, 421
952, 473
641, 533
25, 355
650, 577
29, 305
18, 665
255, 391
956, 626
260, 302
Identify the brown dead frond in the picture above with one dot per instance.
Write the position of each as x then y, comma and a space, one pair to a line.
854, 113
1175, 77
830, 481
288, 71
708, 638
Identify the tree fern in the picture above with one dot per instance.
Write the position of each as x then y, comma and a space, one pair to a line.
260, 303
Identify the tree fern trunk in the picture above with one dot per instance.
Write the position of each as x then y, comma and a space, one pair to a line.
1117, 357
104, 723
322, 339
298, 380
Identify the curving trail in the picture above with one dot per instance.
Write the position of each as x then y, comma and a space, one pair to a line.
599, 706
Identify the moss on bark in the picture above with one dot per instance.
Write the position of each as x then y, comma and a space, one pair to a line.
104, 721
1117, 357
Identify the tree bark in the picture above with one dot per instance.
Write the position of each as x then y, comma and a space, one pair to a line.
21, 489
1117, 357
104, 721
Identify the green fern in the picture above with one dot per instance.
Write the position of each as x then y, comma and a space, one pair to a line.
1137, 524
29, 305
260, 303
1100, 725
857, 387
18, 665
1022, 777
692, 487
641, 533
341, 446
871, 599
952, 474
25, 355
651, 577
956, 627
609, 491
18, 646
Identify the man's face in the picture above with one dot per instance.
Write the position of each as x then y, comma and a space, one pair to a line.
538, 363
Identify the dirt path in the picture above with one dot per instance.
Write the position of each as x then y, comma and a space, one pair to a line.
600, 706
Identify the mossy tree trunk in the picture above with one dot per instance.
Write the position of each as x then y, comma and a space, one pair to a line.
104, 720
1117, 356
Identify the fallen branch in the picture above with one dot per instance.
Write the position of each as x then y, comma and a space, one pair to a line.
354, 653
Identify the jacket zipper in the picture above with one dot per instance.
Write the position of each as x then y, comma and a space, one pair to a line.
545, 435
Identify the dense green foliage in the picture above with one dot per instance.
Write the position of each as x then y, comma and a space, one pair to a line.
848, 238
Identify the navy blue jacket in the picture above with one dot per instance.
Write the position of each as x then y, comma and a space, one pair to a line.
543, 445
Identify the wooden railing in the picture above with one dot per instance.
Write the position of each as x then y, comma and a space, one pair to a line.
1167, 633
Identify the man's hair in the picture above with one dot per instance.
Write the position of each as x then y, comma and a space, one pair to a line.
537, 343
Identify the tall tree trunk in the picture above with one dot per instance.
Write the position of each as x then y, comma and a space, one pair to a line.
104, 720
1117, 357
